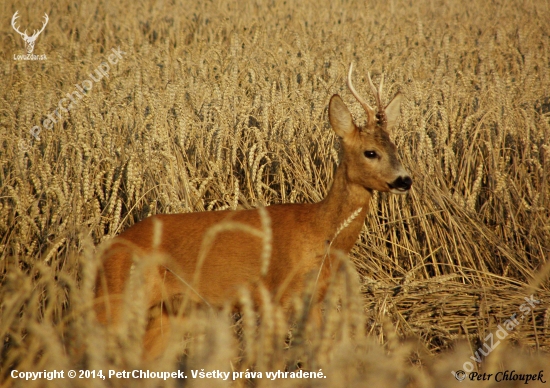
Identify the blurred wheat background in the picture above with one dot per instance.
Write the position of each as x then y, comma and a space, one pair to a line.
219, 105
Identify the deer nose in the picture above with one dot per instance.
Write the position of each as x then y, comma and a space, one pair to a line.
403, 183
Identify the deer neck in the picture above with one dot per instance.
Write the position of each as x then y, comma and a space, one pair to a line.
343, 210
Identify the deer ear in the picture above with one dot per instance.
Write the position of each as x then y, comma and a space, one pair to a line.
340, 117
392, 111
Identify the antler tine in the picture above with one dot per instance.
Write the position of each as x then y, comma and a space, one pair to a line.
368, 109
381, 86
44, 24
376, 93
381, 114
13, 19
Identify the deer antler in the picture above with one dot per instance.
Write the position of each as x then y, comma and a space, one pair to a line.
381, 115
44, 23
13, 19
368, 109
372, 115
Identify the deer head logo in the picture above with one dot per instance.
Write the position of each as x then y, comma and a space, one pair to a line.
29, 40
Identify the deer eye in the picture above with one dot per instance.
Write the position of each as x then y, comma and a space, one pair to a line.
370, 154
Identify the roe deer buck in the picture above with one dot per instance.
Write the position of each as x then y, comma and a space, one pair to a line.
300, 233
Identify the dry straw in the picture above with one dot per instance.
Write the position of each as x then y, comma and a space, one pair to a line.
222, 105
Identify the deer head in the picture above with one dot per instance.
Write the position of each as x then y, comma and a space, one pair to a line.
29, 40
369, 154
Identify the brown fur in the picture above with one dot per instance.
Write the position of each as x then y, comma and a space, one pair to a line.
301, 234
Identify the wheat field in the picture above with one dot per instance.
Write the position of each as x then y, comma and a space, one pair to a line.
223, 105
